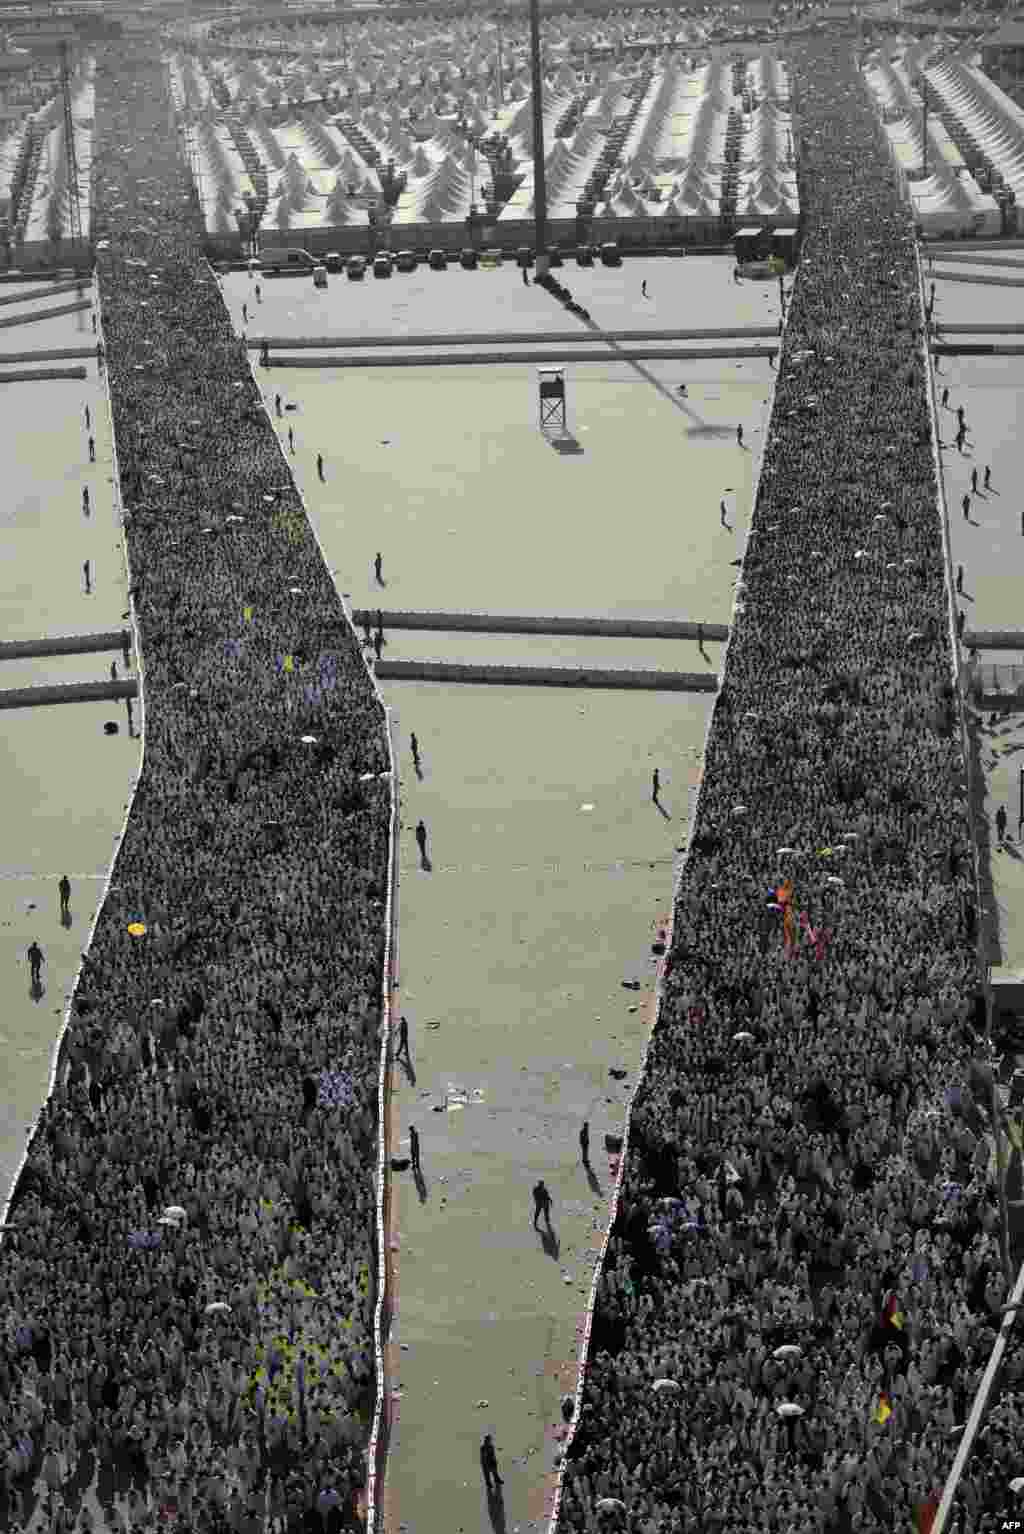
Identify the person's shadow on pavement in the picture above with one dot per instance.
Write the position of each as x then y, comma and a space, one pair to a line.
496, 1509
36, 990
549, 1242
65, 919
595, 1186
421, 1183
407, 1066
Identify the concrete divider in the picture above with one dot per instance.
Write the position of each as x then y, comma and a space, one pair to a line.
977, 349
70, 692
37, 374
501, 623
56, 287
59, 354
513, 338
544, 676
991, 639
982, 330
45, 314
992, 282
72, 644
476, 359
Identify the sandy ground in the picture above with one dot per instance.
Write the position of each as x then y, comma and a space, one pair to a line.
64, 783
990, 546
550, 866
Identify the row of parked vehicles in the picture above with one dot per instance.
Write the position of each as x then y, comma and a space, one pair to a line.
384, 262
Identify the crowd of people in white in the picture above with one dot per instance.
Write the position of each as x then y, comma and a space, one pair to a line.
188, 1271
804, 1280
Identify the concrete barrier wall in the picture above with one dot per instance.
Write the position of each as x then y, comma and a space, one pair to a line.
60, 354
74, 644
521, 338
45, 314
490, 623
984, 639
977, 349
544, 676
37, 374
993, 282
70, 692
74, 286
477, 359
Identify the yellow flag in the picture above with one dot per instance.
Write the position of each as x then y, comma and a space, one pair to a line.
247, 614
884, 1411
289, 664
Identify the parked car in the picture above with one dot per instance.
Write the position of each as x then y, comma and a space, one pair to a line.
610, 254
406, 261
334, 261
494, 256
286, 261
319, 276
584, 255
468, 258
524, 256
554, 256
382, 264
438, 261
355, 266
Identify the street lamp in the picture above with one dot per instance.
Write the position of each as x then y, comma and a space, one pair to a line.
540, 194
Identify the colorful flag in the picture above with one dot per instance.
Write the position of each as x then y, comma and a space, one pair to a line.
883, 1411
247, 614
892, 1315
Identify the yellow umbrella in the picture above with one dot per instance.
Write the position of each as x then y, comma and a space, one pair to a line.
136, 928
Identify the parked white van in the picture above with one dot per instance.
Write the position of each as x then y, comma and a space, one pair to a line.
286, 261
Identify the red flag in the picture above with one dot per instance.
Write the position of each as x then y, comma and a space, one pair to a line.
892, 1315
924, 1515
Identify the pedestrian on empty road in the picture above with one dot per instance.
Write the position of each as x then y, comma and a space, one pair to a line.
378, 561
88, 419
113, 670
489, 1464
722, 511
403, 1039
414, 1148
421, 840
974, 481
960, 579
945, 398
966, 504
65, 895
739, 435
988, 477
245, 313
36, 959
92, 450
277, 404
585, 1144
1001, 821
526, 279
378, 642
960, 621
700, 637
541, 1204
320, 467
643, 288
85, 572
656, 785
415, 745
291, 440
259, 294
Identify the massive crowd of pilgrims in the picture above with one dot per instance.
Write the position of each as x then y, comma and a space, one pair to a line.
804, 1279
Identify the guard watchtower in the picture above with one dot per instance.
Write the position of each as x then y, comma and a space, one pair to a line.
552, 397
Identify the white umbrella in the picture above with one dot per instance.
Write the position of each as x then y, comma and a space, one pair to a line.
781, 851
217, 1308
1018, 1484
741, 1038
174, 1212
788, 1350
670, 1385
610, 1504
789, 1409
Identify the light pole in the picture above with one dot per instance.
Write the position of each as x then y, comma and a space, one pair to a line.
540, 192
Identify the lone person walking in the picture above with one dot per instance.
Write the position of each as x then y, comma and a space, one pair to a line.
966, 505
739, 436
92, 449
36, 959
488, 1458
403, 1040
291, 440
722, 512
945, 399
415, 745
585, 1144
643, 288
974, 481
85, 499
320, 467
65, 896
277, 403
85, 572
655, 785
1001, 821
377, 563
960, 579
988, 477
421, 840
414, 1148
541, 1205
